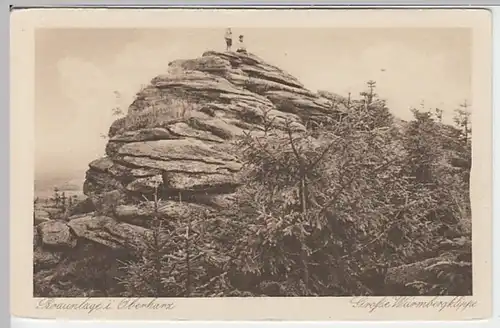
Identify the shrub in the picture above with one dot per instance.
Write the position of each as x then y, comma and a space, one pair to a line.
323, 212
179, 258
169, 109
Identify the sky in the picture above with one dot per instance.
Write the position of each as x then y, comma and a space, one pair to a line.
77, 72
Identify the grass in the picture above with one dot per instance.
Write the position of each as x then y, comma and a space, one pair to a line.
170, 109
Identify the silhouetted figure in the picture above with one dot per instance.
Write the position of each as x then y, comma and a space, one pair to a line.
229, 39
241, 45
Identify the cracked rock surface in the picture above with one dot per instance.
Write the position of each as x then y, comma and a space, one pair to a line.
178, 136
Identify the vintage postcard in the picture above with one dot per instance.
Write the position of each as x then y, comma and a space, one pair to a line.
251, 164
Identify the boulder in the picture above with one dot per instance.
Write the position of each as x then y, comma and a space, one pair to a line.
108, 232
201, 182
182, 129
44, 259
143, 214
83, 206
148, 134
40, 215
185, 149
147, 185
418, 271
56, 233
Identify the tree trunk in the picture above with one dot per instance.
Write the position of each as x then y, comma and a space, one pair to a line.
303, 254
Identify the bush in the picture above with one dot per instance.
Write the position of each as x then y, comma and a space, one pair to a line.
363, 205
178, 259
321, 212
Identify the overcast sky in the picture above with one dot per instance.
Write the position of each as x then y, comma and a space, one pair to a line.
77, 72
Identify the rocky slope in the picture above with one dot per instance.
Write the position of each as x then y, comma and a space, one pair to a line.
178, 130
177, 139
177, 136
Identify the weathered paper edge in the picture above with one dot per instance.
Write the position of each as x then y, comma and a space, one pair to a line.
23, 24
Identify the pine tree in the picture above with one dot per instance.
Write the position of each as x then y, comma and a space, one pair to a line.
438, 113
463, 122
422, 146
369, 95
57, 197
63, 201
117, 110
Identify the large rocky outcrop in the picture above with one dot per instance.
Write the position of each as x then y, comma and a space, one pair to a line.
177, 139
178, 132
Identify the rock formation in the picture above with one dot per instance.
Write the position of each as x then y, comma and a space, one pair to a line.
177, 133
179, 129
177, 137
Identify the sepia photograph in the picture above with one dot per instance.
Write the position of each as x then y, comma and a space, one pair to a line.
244, 161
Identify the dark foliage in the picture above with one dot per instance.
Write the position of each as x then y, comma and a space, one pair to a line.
362, 205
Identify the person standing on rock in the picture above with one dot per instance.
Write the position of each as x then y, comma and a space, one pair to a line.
229, 39
241, 46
